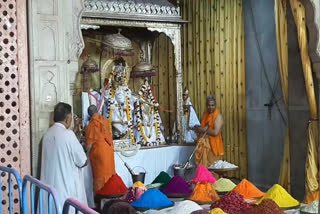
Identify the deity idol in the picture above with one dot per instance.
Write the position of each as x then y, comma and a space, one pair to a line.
119, 103
148, 118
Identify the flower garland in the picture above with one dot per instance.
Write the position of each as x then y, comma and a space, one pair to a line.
156, 118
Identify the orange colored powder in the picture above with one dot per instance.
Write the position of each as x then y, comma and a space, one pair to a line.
204, 192
114, 186
248, 190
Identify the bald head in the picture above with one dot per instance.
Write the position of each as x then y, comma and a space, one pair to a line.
92, 110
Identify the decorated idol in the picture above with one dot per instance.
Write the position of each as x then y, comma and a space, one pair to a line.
119, 102
148, 120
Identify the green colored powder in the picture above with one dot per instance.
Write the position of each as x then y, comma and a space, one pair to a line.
163, 178
224, 185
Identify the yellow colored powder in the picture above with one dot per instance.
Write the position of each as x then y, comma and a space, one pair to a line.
279, 195
217, 211
224, 185
138, 184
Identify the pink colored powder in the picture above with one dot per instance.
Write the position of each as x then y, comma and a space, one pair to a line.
203, 175
177, 185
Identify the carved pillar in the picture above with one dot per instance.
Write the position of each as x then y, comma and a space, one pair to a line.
175, 36
313, 24
178, 65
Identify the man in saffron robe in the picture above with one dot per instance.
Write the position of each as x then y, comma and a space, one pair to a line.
209, 144
99, 145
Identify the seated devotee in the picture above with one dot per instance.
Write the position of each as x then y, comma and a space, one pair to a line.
100, 149
189, 120
63, 158
209, 144
147, 116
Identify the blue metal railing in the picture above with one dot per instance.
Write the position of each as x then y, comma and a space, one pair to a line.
52, 196
70, 202
15, 173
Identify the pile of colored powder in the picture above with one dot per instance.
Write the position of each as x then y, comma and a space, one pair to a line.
177, 185
311, 208
279, 195
129, 196
114, 186
267, 206
217, 211
163, 178
134, 194
248, 190
232, 202
184, 207
204, 192
138, 184
152, 198
224, 185
203, 175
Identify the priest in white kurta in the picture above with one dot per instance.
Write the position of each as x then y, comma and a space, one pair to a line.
63, 157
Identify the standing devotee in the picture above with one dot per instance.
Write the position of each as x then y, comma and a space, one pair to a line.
63, 157
210, 145
100, 148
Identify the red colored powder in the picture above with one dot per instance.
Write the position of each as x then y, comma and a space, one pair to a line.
265, 207
232, 203
177, 185
114, 186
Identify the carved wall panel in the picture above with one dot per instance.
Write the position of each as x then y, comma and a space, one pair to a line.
53, 66
48, 82
47, 7
47, 47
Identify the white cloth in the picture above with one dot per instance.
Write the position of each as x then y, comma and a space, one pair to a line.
85, 105
189, 135
88, 180
153, 161
62, 157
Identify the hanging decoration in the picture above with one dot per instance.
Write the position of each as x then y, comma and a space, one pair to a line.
117, 45
88, 67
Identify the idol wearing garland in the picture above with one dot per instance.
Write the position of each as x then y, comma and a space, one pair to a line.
148, 131
119, 102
